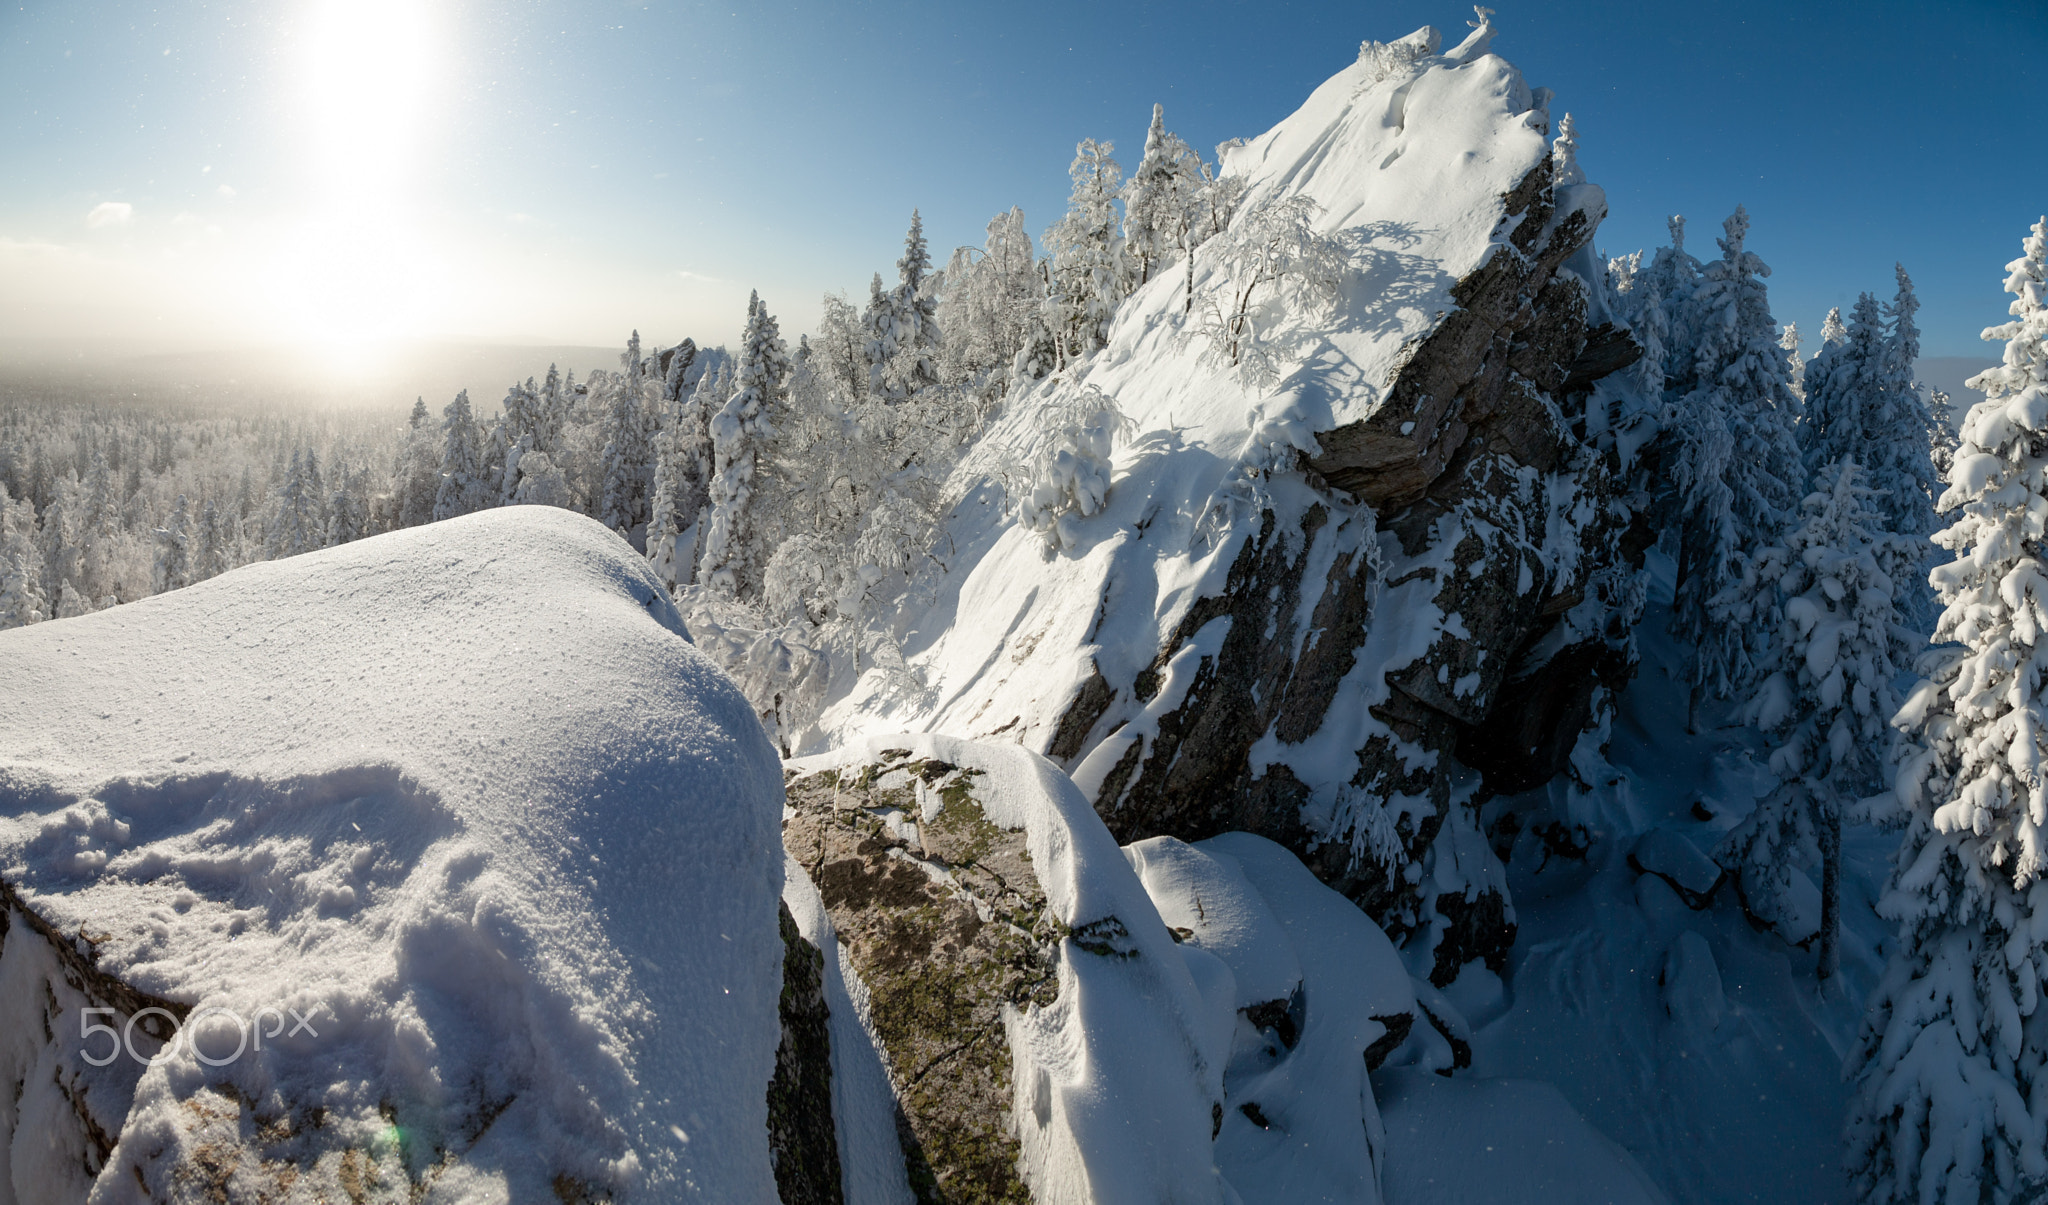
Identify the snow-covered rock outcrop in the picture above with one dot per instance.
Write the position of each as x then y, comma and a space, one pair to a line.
1330, 609
452, 865
1067, 1022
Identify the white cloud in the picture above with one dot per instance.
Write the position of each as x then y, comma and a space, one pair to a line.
226, 192
686, 274
109, 213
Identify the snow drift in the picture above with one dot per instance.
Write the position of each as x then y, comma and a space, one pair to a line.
450, 833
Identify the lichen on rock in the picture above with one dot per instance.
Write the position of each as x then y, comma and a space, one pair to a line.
941, 914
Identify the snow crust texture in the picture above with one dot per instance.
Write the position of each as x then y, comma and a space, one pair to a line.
464, 800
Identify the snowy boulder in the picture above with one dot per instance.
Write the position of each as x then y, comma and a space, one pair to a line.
1045, 1036
1691, 984
437, 865
1790, 909
1672, 857
1297, 1098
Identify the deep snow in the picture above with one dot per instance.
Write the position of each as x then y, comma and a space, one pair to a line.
1695, 1040
466, 798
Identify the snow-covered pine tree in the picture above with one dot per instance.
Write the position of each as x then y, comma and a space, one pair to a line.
1951, 1069
173, 567
1273, 247
1159, 201
1824, 694
1736, 460
1091, 271
463, 487
903, 324
742, 437
419, 413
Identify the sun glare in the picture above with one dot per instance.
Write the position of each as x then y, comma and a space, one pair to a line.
359, 271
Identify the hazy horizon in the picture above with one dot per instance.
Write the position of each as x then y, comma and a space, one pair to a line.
354, 174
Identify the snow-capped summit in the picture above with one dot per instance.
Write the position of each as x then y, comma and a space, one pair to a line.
1403, 327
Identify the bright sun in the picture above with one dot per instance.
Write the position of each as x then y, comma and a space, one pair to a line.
358, 272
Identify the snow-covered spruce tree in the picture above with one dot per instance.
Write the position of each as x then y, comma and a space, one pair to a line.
682, 455
173, 566
1564, 155
347, 517
627, 457
464, 489
1824, 694
1864, 403
550, 411
1734, 460
21, 599
210, 544
1832, 330
1908, 434
1794, 366
1159, 201
296, 522
1091, 272
1070, 474
742, 437
416, 477
1656, 298
542, 482
1951, 1070
1842, 385
1271, 262
903, 325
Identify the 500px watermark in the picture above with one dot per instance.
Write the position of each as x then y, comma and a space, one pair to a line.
248, 1034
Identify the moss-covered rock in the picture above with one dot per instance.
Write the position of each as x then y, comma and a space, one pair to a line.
944, 919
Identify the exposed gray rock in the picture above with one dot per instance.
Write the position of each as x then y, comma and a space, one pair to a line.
1482, 466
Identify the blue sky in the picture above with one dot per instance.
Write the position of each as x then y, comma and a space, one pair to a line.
229, 171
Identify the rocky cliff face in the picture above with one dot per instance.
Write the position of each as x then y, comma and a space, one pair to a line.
1341, 608
1498, 514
